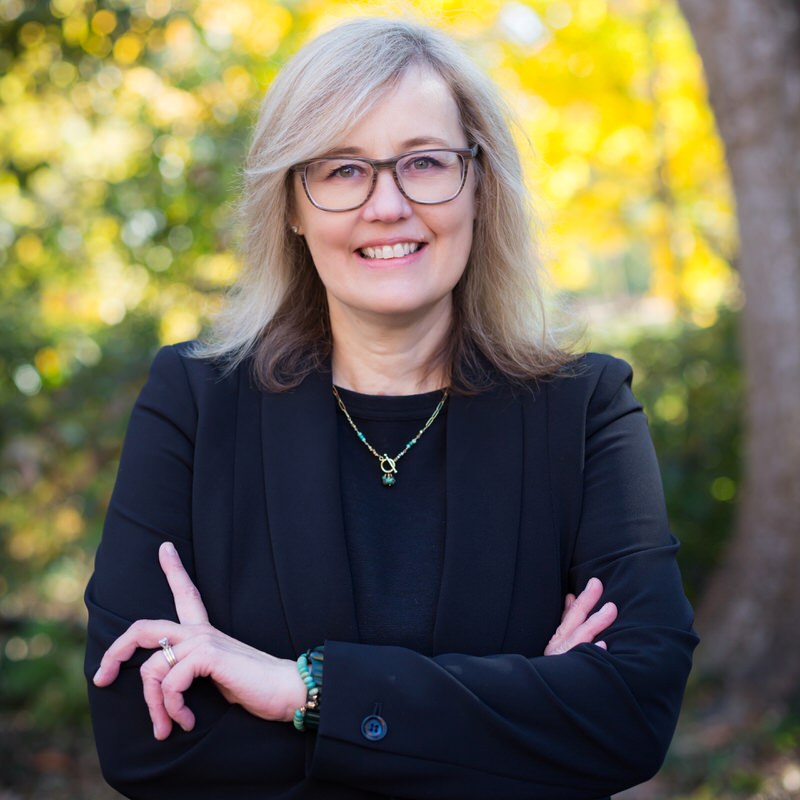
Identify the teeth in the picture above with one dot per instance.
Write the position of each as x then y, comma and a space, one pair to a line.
391, 251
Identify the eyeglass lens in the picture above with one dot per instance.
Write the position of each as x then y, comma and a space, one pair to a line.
425, 177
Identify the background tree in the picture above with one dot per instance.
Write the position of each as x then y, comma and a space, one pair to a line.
748, 620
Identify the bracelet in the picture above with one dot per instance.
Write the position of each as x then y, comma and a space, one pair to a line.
310, 665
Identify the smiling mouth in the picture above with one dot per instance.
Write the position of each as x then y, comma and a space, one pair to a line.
391, 250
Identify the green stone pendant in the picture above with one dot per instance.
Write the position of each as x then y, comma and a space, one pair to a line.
389, 470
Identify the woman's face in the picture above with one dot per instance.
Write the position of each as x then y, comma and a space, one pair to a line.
419, 113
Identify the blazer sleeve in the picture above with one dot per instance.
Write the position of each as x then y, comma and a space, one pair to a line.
230, 753
580, 725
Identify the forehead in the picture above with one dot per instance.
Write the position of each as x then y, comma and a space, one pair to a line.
419, 110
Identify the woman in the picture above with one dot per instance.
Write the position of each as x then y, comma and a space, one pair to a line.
382, 450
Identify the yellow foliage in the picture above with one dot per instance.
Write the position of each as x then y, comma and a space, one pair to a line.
179, 324
217, 270
615, 132
48, 363
68, 524
29, 248
104, 22
157, 9
127, 48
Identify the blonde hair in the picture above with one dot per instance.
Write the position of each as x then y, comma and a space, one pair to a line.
277, 310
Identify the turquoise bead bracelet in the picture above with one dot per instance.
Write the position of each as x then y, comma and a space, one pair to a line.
309, 665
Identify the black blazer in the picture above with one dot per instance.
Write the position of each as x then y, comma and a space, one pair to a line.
546, 487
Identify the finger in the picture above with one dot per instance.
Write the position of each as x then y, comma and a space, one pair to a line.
164, 686
599, 621
188, 603
153, 672
583, 604
178, 681
602, 645
577, 609
142, 633
593, 627
569, 634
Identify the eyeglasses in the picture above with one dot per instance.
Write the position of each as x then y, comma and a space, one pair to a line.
344, 183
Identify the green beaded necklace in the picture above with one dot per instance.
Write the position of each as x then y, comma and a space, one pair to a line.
389, 464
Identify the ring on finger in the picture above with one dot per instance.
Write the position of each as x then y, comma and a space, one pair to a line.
169, 653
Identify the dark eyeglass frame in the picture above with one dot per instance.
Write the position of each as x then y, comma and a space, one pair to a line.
467, 154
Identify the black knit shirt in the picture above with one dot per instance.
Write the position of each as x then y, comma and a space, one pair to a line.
395, 535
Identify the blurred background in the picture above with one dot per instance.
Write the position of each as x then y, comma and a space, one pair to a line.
123, 125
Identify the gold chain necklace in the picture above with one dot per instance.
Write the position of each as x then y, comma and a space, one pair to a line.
388, 464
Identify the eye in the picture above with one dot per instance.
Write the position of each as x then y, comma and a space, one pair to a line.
423, 163
338, 170
427, 163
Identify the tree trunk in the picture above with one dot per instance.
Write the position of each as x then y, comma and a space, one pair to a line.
749, 619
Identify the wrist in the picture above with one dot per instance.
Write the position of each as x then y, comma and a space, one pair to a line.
309, 669
296, 690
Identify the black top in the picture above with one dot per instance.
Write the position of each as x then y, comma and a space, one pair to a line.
395, 535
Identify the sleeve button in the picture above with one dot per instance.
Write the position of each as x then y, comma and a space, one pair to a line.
374, 728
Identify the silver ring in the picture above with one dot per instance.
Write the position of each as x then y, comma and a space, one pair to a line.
169, 653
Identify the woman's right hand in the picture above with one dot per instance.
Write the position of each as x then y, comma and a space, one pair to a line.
267, 687
577, 625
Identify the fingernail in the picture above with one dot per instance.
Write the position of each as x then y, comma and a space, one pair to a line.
155, 732
592, 583
169, 548
97, 675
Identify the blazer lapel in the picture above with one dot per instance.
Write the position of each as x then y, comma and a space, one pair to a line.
484, 489
301, 473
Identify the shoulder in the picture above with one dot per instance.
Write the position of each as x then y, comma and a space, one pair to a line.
590, 372
589, 376
184, 361
182, 358
595, 387
182, 378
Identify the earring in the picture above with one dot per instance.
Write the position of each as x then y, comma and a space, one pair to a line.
295, 230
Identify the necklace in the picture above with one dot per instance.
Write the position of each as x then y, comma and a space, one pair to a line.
389, 464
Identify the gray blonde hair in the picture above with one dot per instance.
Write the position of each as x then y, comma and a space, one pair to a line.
277, 310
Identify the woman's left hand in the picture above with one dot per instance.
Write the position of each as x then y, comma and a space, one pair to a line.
267, 687
578, 624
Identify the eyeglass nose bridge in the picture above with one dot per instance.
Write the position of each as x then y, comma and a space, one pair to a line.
385, 164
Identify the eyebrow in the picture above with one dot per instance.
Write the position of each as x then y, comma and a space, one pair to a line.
406, 146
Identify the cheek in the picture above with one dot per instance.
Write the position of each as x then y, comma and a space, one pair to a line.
331, 256
326, 240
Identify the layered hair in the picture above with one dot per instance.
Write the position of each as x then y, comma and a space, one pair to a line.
277, 312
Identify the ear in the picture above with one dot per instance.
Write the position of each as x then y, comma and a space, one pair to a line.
292, 217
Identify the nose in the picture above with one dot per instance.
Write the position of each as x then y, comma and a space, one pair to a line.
387, 203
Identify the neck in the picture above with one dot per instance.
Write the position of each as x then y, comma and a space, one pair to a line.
373, 357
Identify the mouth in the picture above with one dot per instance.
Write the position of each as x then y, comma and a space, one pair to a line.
389, 251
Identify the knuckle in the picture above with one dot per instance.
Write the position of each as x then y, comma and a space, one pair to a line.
147, 671
202, 638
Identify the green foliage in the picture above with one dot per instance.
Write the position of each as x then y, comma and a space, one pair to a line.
42, 675
56, 473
